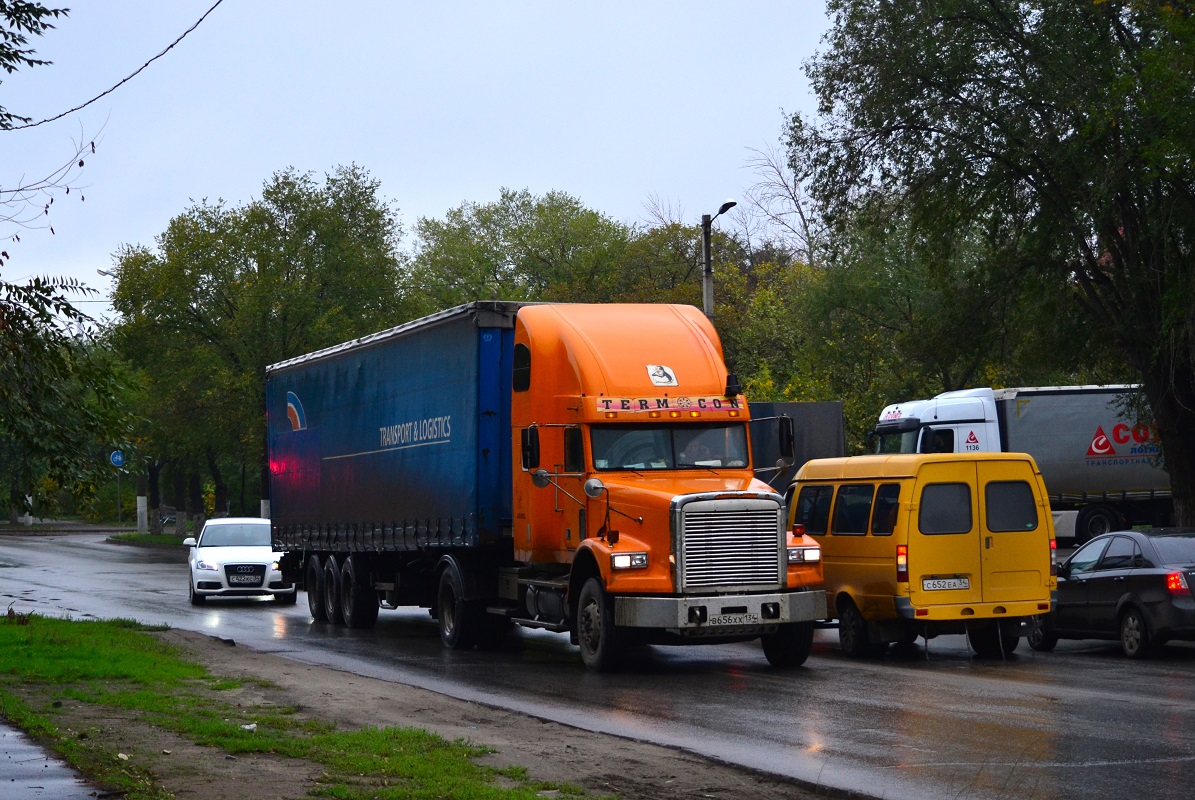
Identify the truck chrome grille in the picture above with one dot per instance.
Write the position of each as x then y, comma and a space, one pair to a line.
730, 545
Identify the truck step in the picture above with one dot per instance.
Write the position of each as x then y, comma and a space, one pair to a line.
557, 627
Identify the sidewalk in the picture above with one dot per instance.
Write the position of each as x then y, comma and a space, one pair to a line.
28, 771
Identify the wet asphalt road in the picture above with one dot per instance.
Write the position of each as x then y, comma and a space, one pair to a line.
1081, 722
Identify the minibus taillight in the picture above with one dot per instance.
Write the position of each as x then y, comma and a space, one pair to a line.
902, 563
1053, 558
1176, 584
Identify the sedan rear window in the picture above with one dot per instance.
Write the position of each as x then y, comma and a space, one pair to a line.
1175, 549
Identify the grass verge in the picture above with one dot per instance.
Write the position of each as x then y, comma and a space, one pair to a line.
118, 670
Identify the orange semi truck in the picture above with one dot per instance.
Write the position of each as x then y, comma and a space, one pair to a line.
584, 469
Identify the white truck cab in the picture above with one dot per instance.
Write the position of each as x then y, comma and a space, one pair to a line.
952, 422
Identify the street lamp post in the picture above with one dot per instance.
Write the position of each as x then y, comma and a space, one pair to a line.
707, 281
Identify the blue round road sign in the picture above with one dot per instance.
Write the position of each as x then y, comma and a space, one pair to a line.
117, 458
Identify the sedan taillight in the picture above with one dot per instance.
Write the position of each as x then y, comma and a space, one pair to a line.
1176, 584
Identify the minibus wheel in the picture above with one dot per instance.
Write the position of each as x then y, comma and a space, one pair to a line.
852, 631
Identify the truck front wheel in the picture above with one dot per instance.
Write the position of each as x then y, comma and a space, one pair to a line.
358, 600
602, 643
314, 582
789, 646
458, 622
1094, 520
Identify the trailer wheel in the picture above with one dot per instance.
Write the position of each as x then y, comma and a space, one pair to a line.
331, 591
789, 646
358, 600
1094, 520
458, 621
314, 583
602, 643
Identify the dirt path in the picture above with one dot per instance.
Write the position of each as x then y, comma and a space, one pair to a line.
602, 764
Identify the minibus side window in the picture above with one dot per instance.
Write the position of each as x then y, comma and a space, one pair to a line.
883, 517
1010, 506
813, 509
852, 509
945, 508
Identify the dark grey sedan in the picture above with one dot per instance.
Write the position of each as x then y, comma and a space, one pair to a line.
1134, 586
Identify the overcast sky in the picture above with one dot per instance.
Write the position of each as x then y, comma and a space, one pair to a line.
444, 102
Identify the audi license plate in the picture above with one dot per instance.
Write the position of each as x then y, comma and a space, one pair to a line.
937, 584
244, 579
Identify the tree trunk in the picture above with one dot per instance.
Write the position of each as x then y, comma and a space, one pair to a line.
153, 476
1171, 399
195, 500
220, 508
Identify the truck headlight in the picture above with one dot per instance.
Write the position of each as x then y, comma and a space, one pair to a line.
804, 555
628, 560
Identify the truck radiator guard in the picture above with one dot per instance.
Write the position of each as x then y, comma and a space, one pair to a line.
728, 543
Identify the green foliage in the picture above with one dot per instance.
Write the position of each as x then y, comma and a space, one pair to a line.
1058, 135
521, 247
20, 19
229, 291
59, 390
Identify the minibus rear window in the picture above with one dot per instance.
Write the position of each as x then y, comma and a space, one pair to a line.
1010, 506
852, 509
945, 509
813, 509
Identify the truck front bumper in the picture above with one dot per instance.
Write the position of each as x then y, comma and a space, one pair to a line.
719, 615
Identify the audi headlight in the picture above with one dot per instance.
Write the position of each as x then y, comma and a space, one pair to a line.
628, 560
206, 565
804, 555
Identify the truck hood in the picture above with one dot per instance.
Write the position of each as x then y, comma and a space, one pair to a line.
648, 492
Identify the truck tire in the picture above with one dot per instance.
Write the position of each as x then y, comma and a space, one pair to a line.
331, 591
358, 600
459, 621
314, 582
1094, 520
603, 646
789, 646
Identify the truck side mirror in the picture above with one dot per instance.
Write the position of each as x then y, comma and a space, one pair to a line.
788, 441
530, 442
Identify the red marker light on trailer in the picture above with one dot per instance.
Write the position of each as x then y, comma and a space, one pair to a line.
902, 563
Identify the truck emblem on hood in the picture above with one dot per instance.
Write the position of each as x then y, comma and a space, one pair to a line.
661, 375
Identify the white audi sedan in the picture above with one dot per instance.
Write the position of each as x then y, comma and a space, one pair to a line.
233, 558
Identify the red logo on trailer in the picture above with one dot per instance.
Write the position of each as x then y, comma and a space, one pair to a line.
1100, 444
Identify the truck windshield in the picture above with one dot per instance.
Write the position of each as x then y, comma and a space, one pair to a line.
896, 442
669, 446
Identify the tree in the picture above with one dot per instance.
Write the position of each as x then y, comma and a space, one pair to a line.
58, 393
520, 247
1059, 129
229, 291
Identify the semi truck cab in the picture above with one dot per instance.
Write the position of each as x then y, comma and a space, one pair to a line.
964, 421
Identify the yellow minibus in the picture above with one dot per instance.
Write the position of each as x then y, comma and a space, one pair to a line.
929, 544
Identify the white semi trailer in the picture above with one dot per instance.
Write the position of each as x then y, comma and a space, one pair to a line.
1101, 462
